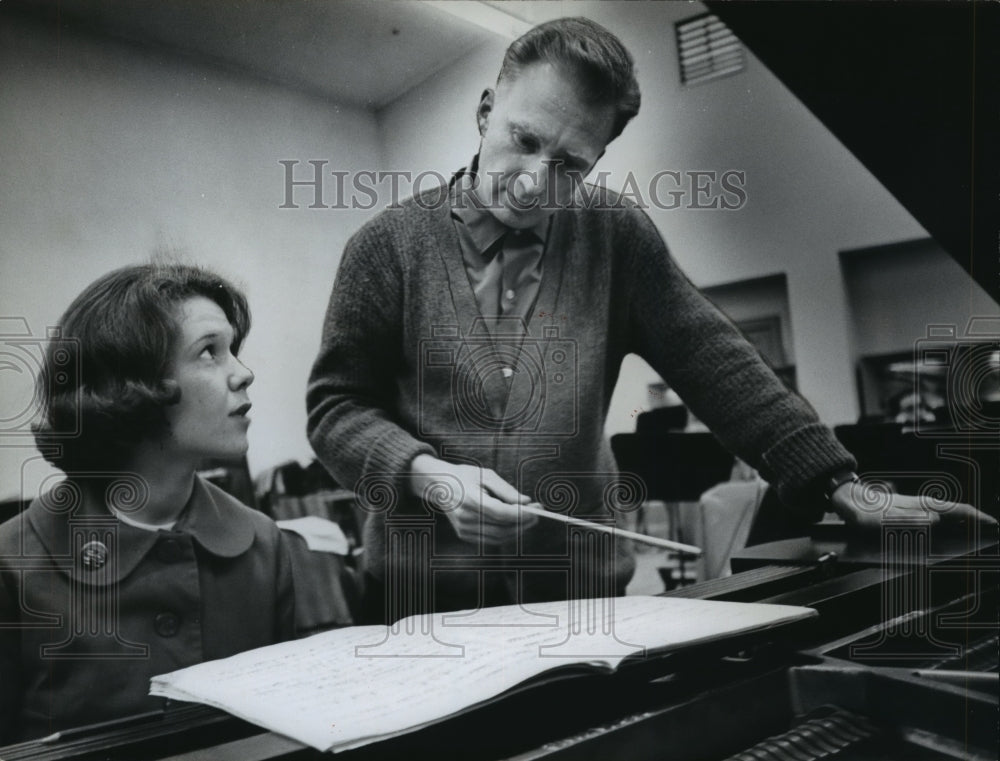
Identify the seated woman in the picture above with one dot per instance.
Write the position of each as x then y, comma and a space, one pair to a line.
138, 566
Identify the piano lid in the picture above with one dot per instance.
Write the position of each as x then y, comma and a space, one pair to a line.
911, 89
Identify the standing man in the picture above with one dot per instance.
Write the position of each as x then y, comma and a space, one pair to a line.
474, 337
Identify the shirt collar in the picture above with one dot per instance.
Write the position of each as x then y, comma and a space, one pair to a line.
484, 229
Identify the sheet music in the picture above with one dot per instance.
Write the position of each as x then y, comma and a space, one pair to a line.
351, 686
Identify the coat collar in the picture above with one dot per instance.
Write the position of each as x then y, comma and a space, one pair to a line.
220, 523
69, 517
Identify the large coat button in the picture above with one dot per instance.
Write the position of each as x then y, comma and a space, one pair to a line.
167, 624
94, 555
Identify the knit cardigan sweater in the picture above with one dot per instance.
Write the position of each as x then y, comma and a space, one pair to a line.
407, 365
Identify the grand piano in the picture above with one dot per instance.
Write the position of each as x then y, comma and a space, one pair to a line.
901, 663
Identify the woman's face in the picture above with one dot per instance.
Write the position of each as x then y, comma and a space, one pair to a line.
210, 420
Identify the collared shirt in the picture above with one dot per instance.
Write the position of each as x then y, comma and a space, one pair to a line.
504, 277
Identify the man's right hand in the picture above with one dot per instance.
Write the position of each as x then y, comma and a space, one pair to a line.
480, 504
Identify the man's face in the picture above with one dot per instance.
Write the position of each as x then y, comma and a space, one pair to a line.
539, 139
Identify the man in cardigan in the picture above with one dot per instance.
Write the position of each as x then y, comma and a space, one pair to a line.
474, 337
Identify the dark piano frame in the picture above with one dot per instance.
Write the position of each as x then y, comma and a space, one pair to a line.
858, 670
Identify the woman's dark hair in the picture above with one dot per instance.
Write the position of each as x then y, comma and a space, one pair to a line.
602, 65
102, 385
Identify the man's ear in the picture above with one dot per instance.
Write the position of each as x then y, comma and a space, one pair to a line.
483, 112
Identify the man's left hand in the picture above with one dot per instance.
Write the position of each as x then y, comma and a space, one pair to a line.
868, 505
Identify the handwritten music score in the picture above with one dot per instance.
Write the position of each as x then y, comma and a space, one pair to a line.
353, 686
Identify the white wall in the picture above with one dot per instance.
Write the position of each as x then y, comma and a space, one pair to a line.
433, 127
754, 299
892, 304
110, 151
807, 196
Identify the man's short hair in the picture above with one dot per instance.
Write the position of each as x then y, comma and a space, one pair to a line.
103, 383
596, 57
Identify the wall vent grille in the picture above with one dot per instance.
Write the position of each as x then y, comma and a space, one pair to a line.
707, 49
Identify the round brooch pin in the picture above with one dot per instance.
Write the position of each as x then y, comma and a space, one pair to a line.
94, 555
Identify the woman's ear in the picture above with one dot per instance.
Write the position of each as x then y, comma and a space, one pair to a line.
483, 112
171, 391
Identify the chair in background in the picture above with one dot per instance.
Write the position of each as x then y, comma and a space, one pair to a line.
676, 468
327, 583
289, 491
672, 417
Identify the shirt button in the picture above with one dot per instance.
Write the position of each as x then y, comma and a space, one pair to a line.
168, 551
167, 624
509, 295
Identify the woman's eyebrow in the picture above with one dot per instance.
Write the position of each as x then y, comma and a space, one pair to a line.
211, 335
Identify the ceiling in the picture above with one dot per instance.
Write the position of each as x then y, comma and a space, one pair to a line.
358, 52
886, 109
